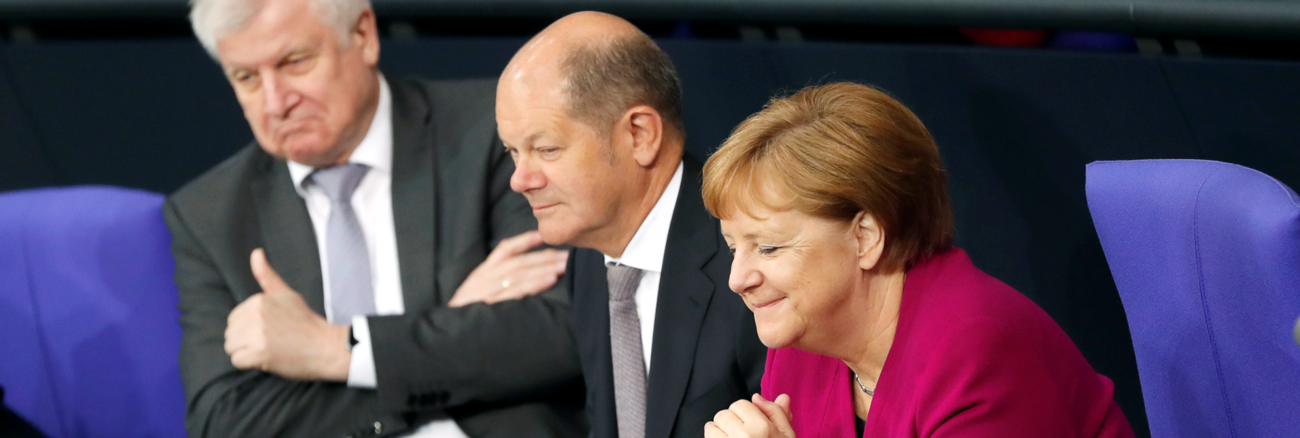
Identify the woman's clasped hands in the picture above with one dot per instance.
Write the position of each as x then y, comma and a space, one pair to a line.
758, 418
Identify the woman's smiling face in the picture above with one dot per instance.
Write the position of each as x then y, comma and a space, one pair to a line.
795, 271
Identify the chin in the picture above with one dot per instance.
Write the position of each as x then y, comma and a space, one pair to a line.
554, 234
308, 151
775, 336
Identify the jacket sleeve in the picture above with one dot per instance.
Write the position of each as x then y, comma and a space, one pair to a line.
224, 401
512, 350
993, 380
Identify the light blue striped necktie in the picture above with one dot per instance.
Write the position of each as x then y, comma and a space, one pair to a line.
351, 292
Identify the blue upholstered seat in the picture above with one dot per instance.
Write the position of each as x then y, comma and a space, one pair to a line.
89, 328
1206, 256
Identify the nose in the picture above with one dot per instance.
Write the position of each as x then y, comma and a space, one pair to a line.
278, 98
743, 278
526, 177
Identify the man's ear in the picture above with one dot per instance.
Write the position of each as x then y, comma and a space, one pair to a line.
871, 240
365, 33
645, 129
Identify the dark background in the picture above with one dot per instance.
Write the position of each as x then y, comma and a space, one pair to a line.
132, 100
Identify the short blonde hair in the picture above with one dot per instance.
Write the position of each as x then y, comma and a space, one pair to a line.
833, 151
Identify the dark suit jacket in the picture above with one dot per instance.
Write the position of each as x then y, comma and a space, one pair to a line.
706, 352
508, 369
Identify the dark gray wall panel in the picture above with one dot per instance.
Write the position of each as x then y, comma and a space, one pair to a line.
144, 114
22, 159
1243, 112
448, 58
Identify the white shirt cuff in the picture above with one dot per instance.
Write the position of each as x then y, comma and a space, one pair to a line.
361, 372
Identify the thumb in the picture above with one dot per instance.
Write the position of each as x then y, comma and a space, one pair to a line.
778, 412
783, 401
266, 277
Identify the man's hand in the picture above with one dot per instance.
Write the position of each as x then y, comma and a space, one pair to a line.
275, 331
760, 419
511, 272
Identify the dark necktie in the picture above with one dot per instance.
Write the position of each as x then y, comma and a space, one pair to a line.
351, 292
628, 357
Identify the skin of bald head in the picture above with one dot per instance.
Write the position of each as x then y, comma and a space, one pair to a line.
307, 97
587, 188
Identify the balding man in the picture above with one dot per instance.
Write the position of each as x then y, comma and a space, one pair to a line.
377, 202
590, 111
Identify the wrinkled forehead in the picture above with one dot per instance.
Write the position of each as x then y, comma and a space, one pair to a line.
524, 101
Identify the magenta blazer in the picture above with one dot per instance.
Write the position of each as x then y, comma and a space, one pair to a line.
971, 358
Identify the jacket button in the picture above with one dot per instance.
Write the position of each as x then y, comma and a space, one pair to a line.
379, 428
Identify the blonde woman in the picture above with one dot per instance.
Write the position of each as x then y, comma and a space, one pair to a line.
835, 204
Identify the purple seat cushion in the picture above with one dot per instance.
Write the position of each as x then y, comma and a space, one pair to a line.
1206, 257
88, 305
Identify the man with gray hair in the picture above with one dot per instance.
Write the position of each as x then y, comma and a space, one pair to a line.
399, 301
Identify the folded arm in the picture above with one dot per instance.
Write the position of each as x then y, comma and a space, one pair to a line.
225, 401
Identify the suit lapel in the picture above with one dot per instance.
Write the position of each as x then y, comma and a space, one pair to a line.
287, 233
591, 321
685, 292
414, 197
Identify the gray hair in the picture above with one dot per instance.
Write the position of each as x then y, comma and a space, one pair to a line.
214, 19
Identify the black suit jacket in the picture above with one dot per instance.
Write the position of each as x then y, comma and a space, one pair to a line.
508, 369
706, 352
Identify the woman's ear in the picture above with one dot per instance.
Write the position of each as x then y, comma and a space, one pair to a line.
871, 240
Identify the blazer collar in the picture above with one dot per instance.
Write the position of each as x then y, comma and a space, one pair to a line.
646, 250
287, 235
414, 196
685, 291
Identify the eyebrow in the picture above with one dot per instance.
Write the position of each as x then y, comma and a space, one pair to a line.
294, 50
753, 235
527, 140
533, 137
284, 54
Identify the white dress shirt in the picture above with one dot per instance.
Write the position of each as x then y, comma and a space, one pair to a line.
646, 252
373, 203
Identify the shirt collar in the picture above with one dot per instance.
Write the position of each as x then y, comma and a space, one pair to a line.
376, 148
646, 250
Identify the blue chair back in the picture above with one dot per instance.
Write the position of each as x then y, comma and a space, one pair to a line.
88, 318
1206, 256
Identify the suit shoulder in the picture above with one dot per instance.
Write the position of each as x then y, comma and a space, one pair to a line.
223, 179
475, 97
